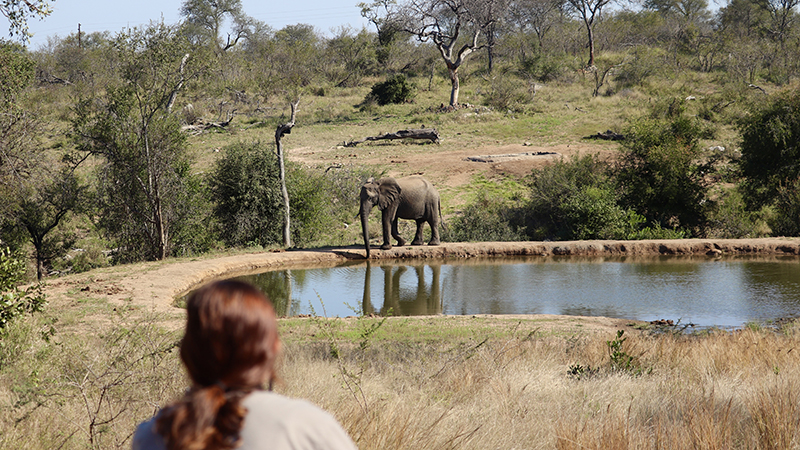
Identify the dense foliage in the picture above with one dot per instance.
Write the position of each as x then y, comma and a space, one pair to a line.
661, 170
771, 149
577, 200
490, 217
16, 301
129, 181
394, 90
249, 203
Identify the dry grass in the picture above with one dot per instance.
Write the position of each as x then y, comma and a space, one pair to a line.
498, 383
719, 390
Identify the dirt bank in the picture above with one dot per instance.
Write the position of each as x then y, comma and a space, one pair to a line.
154, 286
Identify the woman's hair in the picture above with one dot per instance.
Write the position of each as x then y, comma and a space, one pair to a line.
229, 349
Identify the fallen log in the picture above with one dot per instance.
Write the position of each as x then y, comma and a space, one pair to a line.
424, 133
608, 136
201, 126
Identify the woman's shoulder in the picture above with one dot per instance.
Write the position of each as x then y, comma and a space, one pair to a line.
291, 423
146, 437
267, 405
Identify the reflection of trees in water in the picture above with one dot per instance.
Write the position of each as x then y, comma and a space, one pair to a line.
777, 281
278, 286
424, 300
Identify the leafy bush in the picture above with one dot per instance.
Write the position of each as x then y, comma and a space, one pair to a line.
394, 90
543, 67
246, 188
490, 217
731, 219
15, 302
576, 200
642, 63
508, 93
309, 198
771, 150
660, 173
786, 220
16, 71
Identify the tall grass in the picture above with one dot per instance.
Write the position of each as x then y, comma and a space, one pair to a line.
463, 384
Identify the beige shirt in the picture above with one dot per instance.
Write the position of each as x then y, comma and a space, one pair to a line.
272, 422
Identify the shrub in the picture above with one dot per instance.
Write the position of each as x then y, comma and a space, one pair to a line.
786, 220
245, 186
771, 150
490, 217
660, 174
576, 200
731, 219
14, 302
309, 198
642, 63
543, 67
508, 93
394, 90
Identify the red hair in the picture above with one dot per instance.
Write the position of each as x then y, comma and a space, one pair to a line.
229, 349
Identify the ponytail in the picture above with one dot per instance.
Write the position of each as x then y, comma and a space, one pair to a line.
207, 418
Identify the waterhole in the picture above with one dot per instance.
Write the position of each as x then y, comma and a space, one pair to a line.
701, 291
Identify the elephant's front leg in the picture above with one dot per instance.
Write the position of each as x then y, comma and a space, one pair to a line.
418, 238
387, 222
396, 233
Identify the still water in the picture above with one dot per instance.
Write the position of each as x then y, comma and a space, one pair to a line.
701, 291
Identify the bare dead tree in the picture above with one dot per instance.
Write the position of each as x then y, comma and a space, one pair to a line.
456, 27
174, 94
589, 11
279, 133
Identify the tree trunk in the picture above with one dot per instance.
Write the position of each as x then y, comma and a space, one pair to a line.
279, 132
455, 88
591, 47
161, 233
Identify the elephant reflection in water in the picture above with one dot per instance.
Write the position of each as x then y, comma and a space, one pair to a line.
404, 302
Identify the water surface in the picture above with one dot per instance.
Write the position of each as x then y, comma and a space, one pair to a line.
702, 291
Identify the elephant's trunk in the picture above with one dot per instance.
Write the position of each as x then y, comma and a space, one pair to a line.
364, 212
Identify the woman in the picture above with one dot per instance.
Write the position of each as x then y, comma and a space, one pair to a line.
229, 350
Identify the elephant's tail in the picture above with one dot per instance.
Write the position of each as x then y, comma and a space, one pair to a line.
441, 216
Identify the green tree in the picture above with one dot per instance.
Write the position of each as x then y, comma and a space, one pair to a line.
18, 127
577, 199
770, 148
38, 188
15, 301
661, 173
144, 181
19, 11
205, 21
246, 189
46, 200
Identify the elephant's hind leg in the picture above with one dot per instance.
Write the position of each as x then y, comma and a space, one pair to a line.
434, 233
418, 238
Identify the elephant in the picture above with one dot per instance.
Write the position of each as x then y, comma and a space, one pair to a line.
412, 198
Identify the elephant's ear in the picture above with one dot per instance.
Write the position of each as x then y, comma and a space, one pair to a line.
389, 192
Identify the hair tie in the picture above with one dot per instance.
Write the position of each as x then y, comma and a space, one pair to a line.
222, 386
